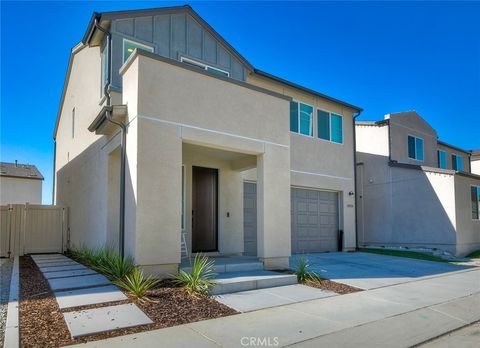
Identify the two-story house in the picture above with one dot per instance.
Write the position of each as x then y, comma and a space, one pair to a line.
414, 190
165, 131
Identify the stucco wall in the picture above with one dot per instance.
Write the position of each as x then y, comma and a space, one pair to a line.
20, 191
475, 164
319, 164
372, 139
468, 229
410, 123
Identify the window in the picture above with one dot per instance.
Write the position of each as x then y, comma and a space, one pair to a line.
301, 118
475, 194
442, 159
415, 148
457, 163
73, 123
129, 47
104, 69
211, 69
330, 126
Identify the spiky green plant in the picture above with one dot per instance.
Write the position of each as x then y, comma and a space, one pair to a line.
200, 279
303, 272
136, 283
114, 267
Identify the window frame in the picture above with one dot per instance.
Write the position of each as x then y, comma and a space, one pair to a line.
478, 202
203, 66
456, 162
330, 126
416, 153
312, 135
438, 158
141, 45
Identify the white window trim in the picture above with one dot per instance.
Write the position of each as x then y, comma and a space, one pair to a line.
478, 203
445, 153
298, 119
141, 45
416, 154
330, 125
202, 65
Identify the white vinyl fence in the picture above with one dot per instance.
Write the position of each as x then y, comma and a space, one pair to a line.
29, 228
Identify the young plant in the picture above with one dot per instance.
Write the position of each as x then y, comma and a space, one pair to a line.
136, 283
303, 272
114, 267
200, 279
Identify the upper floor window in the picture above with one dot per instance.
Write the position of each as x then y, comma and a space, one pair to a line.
415, 148
475, 197
330, 126
442, 159
213, 70
457, 163
301, 118
129, 46
104, 69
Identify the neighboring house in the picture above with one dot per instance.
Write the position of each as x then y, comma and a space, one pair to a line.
414, 190
475, 162
20, 184
239, 160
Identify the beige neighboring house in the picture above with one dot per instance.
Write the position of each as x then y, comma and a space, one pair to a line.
475, 162
239, 161
414, 190
20, 184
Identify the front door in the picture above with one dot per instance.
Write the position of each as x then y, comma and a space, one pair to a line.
204, 209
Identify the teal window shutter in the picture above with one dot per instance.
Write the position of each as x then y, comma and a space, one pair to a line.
337, 128
294, 117
306, 112
419, 149
323, 124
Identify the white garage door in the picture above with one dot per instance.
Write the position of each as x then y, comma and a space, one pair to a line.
314, 221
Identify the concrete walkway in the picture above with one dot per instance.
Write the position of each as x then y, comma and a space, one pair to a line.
392, 316
75, 285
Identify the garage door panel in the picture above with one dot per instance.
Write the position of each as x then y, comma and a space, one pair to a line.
314, 220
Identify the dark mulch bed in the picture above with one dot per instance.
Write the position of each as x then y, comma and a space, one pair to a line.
339, 288
42, 323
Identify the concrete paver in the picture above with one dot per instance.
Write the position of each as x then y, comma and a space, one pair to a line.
42, 266
104, 319
77, 282
88, 296
69, 273
45, 270
246, 301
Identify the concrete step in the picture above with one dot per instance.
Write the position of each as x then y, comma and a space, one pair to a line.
243, 266
231, 282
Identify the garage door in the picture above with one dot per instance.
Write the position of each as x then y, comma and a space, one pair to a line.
314, 221
250, 218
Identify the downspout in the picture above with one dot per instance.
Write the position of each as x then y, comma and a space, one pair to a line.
123, 128
356, 114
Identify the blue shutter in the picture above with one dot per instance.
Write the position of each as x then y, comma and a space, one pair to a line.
294, 117
323, 124
411, 147
337, 128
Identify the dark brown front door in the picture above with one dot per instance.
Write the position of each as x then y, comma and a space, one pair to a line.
204, 209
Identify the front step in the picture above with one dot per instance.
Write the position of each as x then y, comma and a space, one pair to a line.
250, 280
243, 266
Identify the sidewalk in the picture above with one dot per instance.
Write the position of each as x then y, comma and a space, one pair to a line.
394, 316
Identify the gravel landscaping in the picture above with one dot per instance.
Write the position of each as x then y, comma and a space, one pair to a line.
5, 275
339, 288
42, 323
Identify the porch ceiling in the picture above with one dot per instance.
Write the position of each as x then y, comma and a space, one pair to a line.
238, 161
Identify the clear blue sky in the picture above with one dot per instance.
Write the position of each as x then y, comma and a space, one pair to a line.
384, 57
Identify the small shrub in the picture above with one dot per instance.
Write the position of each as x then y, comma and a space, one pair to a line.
136, 283
114, 267
303, 272
200, 279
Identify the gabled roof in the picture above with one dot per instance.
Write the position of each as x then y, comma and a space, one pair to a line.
17, 170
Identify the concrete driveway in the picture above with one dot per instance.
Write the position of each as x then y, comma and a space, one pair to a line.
370, 271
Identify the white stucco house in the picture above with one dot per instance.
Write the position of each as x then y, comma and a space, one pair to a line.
238, 160
20, 184
414, 190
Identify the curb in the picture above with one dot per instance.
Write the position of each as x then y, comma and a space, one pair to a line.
12, 338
